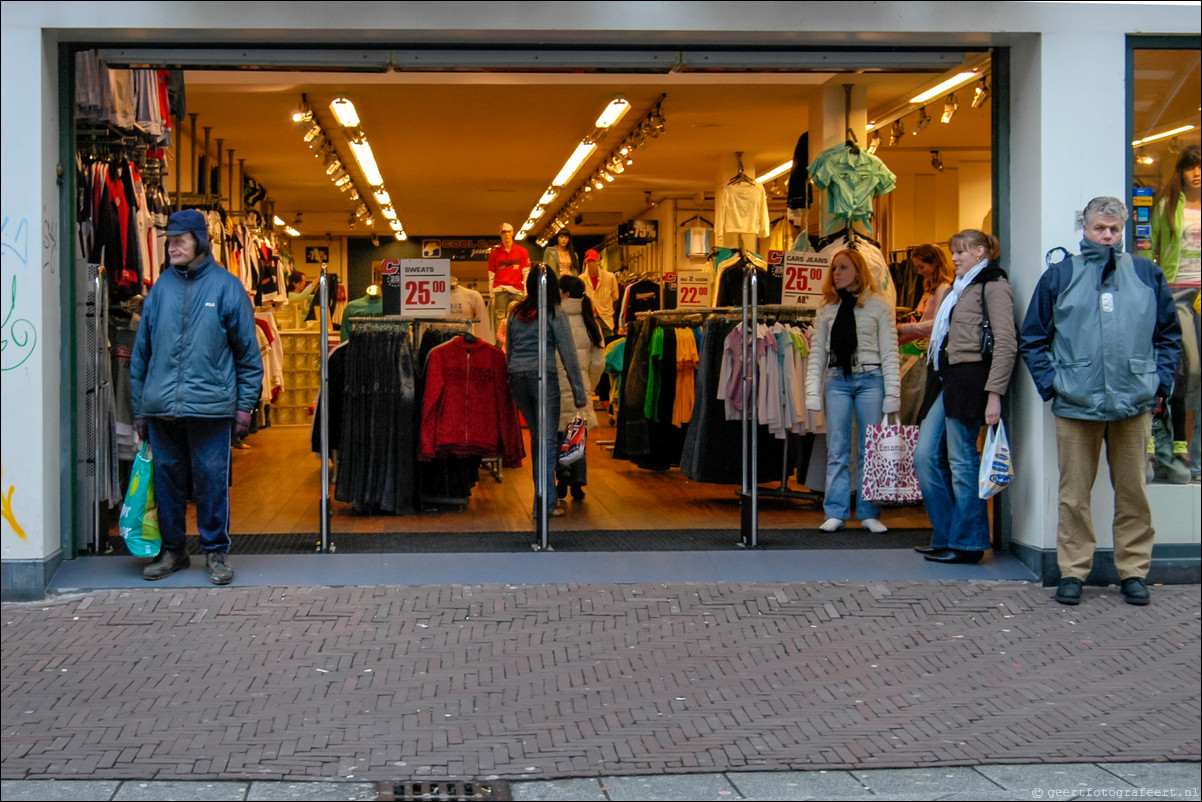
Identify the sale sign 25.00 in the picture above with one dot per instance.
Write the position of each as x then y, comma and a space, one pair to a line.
425, 287
803, 273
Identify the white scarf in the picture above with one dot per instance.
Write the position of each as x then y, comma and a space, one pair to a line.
944, 315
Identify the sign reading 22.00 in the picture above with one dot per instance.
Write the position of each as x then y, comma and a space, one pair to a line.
425, 287
804, 273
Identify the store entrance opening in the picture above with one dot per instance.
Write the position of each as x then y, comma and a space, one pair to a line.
459, 154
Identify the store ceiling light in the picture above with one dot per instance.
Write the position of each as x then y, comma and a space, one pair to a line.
945, 86
303, 113
344, 110
980, 94
775, 171
1163, 134
367, 161
874, 141
278, 221
923, 121
949, 108
614, 112
292, 232
578, 157
936, 161
897, 132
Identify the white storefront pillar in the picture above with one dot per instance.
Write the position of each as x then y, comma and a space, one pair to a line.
30, 442
1067, 112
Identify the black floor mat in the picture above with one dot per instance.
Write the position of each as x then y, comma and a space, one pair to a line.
640, 540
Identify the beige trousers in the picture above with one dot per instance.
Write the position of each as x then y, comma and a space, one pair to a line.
1079, 444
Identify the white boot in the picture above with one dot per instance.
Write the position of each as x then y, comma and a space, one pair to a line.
831, 525
874, 526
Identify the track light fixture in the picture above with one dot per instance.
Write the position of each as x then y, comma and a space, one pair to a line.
874, 141
303, 113
949, 108
923, 121
980, 94
897, 132
936, 161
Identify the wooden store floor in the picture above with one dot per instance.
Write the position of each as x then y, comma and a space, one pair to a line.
277, 482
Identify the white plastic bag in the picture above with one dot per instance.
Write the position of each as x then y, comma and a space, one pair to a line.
997, 471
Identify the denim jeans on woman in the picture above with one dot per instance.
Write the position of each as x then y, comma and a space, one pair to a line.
524, 387
947, 462
863, 394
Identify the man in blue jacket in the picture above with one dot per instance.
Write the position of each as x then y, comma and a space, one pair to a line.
195, 375
1101, 340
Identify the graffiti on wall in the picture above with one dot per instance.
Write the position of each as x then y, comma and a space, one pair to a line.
18, 337
6, 507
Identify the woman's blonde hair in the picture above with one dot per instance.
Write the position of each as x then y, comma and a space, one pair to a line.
931, 253
971, 238
867, 281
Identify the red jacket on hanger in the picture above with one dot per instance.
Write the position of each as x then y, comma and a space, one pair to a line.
467, 409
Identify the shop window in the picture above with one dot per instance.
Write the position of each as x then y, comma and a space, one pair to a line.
1166, 129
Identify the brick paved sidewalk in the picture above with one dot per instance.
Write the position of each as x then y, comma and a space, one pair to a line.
543, 681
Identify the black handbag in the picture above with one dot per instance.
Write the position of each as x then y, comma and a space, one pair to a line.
986, 329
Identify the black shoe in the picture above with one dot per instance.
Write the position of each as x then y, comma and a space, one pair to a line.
217, 563
1069, 591
561, 488
926, 549
1135, 591
168, 563
954, 556
578, 492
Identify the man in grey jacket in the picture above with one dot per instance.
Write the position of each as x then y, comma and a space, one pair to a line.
1101, 340
195, 375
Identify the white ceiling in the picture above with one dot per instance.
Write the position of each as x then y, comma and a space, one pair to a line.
461, 152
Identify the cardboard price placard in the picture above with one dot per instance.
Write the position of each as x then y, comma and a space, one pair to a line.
693, 291
425, 287
804, 273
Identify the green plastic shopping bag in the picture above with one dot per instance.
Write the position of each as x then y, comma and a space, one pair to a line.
139, 521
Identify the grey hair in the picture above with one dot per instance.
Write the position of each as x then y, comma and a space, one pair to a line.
1103, 205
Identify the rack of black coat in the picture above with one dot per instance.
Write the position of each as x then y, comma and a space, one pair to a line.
374, 391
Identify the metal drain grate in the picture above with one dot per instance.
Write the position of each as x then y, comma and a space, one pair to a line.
444, 790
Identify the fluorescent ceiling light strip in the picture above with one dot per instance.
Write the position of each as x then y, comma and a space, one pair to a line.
292, 232
278, 221
583, 151
1180, 130
775, 171
616, 109
946, 86
344, 110
367, 162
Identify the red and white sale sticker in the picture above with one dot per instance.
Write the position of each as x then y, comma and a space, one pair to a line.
425, 287
803, 274
693, 291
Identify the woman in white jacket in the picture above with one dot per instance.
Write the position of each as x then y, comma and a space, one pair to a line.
853, 367
590, 353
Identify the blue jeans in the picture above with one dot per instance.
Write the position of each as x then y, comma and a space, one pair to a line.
947, 463
192, 457
524, 387
863, 393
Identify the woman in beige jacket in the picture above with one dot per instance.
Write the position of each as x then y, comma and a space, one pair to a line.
966, 392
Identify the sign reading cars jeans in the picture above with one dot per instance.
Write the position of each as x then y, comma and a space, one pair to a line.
417, 287
803, 273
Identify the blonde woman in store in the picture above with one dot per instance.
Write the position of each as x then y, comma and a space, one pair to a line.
936, 272
853, 369
968, 395
590, 352
561, 256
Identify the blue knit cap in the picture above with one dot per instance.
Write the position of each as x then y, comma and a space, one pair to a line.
189, 220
